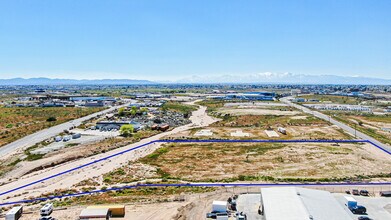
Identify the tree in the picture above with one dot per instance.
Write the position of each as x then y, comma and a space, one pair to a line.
126, 130
133, 111
121, 111
50, 119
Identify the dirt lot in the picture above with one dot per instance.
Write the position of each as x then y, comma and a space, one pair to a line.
230, 161
254, 118
297, 127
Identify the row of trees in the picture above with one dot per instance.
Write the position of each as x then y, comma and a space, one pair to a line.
133, 111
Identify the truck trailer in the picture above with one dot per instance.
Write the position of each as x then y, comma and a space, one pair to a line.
14, 214
350, 202
219, 206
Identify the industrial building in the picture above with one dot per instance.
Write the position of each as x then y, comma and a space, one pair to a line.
337, 107
251, 96
293, 203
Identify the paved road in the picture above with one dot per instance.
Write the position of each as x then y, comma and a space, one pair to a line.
339, 124
42, 135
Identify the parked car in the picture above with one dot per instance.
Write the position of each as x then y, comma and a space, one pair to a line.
47, 218
355, 192
347, 191
211, 215
364, 218
241, 216
385, 193
358, 209
364, 192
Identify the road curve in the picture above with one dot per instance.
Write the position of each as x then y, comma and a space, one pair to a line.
44, 134
343, 126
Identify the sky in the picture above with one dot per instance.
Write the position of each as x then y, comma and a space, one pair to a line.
168, 40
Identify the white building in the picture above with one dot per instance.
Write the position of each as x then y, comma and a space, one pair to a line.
293, 203
337, 107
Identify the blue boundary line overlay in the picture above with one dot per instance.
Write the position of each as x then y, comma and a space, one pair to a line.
187, 141
42, 199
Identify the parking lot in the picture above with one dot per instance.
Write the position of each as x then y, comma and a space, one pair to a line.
249, 204
376, 206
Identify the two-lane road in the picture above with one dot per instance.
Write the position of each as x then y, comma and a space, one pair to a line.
44, 134
338, 123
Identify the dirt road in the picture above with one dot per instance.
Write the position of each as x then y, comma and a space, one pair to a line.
199, 118
42, 135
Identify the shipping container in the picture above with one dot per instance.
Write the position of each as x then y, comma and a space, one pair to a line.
115, 210
14, 214
94, 214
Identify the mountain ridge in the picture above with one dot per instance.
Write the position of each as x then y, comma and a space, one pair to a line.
256, 78
57, 81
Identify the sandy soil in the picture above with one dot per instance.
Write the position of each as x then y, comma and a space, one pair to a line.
255, 111
203, 161
194, 207
199, 118
293, 132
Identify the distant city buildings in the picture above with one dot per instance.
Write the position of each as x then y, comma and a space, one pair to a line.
339, 107
251, 96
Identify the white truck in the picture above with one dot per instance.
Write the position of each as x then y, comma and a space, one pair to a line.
47, 209
281, 130
219, 206
14, 214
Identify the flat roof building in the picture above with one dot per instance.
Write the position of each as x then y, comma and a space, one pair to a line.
292, 203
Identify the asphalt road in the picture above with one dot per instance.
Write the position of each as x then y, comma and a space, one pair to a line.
42, 135
345, 127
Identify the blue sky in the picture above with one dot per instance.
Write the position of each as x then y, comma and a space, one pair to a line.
165, 40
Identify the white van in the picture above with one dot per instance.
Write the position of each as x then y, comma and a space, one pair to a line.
47, 209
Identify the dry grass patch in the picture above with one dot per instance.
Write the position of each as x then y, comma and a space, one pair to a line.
221, 161
17, 122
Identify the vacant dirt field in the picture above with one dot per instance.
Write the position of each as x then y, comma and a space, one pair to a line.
255, 111
376, 126
298, 127
229, 161
18, 122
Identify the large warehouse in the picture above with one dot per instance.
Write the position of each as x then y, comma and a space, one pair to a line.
293, 203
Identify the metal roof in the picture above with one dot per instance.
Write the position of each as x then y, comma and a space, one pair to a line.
94, 213
292, 203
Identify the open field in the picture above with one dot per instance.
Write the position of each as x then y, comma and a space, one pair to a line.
19, 122
376, 126
199, 118
335, 99
268, 161
299, 126
22, 165
254, 119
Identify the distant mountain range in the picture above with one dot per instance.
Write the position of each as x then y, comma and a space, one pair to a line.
257, 78
285, 78
48, 81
